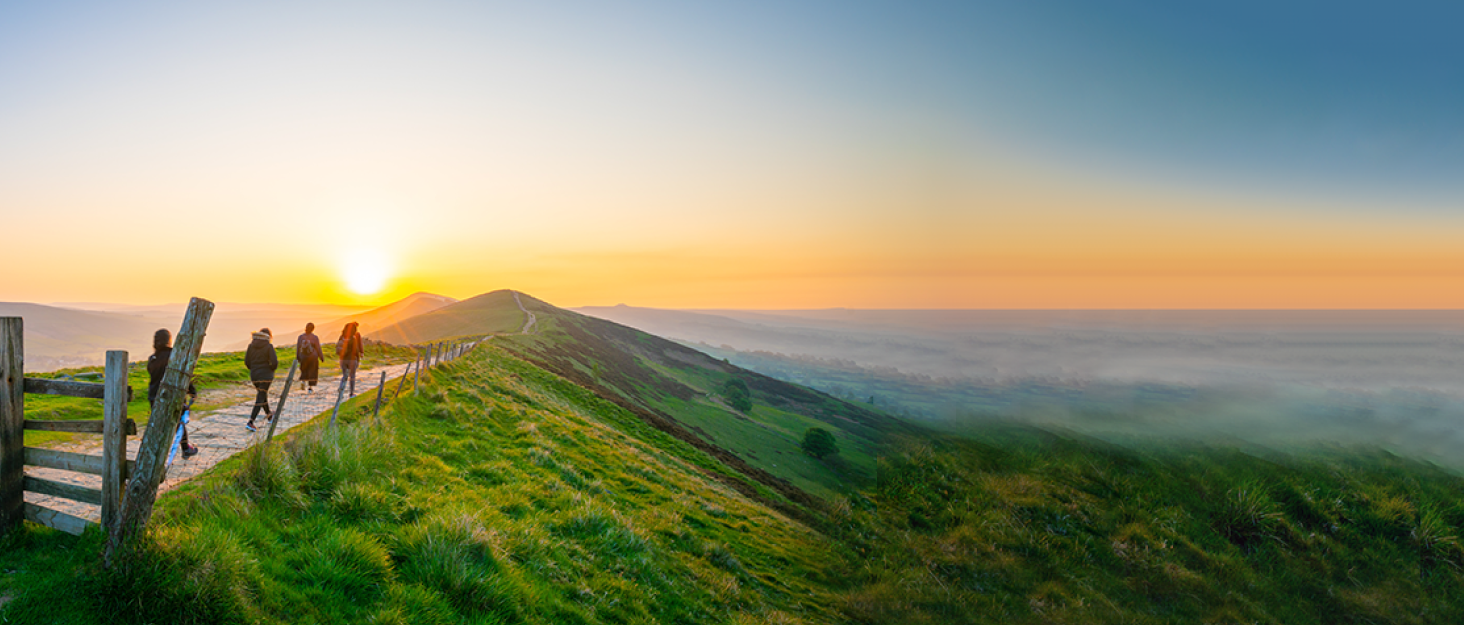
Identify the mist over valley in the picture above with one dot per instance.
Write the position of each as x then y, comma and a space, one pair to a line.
1394, 379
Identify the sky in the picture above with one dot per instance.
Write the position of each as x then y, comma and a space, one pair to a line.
763, 155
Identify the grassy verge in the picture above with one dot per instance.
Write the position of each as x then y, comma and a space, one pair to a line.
482, 499
501, 493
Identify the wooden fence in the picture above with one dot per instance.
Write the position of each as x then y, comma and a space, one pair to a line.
114, 426
128, 487
113, 466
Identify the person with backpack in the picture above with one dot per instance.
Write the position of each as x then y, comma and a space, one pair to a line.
157, 365
262, 361
349, 350
310, 355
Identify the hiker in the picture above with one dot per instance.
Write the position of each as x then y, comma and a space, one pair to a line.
309, 353
157, 365
349, 350
262, 362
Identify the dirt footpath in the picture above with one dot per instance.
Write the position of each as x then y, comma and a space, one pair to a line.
218, 434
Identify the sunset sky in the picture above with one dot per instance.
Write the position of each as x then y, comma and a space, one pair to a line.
1022, 154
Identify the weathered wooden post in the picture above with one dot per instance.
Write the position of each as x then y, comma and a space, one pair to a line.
340, 394
114, 438
152, 456
417, 383
12, 423
380, 388
280, 407
403, 382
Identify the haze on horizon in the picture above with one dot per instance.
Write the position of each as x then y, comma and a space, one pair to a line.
1062, 154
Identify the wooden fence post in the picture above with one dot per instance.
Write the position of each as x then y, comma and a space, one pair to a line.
416, 384
280, 407
380, 388
152, 456
114, 438
403, 382
12, 423
340, 393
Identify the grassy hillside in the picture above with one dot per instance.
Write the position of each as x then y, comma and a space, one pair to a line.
504, 493
683, 391
499, 494
1018, 525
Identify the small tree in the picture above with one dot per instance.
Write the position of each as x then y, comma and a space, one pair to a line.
735, 390
818, 442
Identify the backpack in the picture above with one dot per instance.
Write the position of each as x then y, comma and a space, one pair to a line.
307, 351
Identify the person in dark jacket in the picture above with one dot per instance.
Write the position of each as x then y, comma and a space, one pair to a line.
262, 362
157, 365
310, 355
349, 350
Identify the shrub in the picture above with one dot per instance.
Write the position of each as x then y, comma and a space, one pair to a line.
738, 397
818, 442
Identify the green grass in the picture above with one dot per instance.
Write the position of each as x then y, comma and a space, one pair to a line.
687, 387
1024, 526
502, 493
485, 498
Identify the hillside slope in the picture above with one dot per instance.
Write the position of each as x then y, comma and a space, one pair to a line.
489, 313
684, 393
500, 492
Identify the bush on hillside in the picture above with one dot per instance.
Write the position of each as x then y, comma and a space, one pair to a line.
818, 442
735, 390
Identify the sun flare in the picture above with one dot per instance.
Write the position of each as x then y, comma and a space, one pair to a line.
365, 271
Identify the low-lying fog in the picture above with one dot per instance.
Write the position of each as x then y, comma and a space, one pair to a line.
1393, 378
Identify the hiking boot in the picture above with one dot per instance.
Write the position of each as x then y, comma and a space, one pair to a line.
190, 451
250, 426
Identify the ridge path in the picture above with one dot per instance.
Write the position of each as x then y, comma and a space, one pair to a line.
218, 434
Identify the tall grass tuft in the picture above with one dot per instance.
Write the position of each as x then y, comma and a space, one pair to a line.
1248, 516
1436, 540
270, 474
326, 459
453, 554
350, 563
193, 575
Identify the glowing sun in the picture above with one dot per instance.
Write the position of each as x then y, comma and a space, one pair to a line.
365, 271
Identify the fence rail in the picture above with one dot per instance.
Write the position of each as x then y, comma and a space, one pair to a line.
114, 426
113, 465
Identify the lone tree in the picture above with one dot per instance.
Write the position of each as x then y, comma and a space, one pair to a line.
735, 390
818, 442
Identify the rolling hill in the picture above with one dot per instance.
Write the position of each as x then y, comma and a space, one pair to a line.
489, 313
63, 336
371, 321
682, 392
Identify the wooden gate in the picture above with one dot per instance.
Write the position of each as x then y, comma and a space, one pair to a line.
114, 426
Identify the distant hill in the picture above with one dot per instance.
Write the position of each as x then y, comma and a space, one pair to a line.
68, 336
489, 313
60, 337
371, 321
